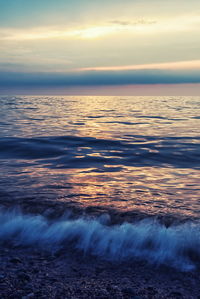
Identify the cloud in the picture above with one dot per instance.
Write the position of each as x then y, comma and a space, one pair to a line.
100, 30
176, 65
98, 78
140, 21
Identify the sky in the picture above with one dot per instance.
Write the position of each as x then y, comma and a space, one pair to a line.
100, 47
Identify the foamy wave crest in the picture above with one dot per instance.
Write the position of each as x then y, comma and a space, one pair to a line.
177, 246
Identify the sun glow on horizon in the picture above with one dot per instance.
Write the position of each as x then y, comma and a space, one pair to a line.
174, 65
93, 31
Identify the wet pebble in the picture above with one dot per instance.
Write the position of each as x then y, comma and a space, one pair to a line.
23, 276
128, 291
29, 296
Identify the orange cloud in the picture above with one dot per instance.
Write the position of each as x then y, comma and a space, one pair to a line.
176, 65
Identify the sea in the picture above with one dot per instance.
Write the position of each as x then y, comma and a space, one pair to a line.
137, 158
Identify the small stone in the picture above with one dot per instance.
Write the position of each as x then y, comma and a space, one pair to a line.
28, 287
176, 294
128, 291
23, 276
103, 294
31, 295
151, 290
113, 288
125, 281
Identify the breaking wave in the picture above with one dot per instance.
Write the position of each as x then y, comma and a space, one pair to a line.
177, 246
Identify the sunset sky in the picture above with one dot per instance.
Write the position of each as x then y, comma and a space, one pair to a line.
100, 47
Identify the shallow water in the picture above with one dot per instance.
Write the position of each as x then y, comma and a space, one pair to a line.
132, 153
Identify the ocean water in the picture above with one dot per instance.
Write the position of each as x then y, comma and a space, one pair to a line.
136, 154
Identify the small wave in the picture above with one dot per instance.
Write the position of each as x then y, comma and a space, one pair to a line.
64, 151
177, 246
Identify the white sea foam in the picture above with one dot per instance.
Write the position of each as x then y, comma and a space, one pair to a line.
177, 246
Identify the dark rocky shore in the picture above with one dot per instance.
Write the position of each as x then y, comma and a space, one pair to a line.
26, 273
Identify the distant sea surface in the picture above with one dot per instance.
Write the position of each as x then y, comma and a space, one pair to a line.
128, 153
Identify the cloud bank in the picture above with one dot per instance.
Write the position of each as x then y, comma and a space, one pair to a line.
99, 78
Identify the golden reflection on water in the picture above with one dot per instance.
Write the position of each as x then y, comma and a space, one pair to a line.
149, 190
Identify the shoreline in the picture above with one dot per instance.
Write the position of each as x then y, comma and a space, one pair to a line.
26, 273
29, 271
